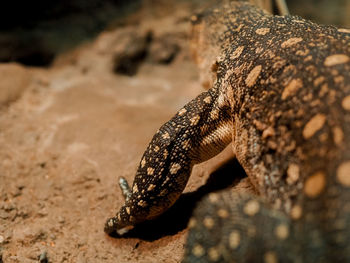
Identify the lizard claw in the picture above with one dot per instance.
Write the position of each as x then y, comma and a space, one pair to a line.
124, 186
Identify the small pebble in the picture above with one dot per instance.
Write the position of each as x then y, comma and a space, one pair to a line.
61, 219
43, 212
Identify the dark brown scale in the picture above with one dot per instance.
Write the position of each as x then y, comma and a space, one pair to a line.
291, 135
158, 184
281, 92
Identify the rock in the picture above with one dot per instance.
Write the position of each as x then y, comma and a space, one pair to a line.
43, 212
3, 215
12, 87
163, 49
29, 234
61, 220
129, 56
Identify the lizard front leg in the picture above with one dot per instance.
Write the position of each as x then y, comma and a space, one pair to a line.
197, 132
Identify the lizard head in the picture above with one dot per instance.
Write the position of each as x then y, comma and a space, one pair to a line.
118, 223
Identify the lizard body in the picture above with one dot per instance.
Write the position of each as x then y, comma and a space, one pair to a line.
281, 96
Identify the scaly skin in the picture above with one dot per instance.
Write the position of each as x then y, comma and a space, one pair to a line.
281, 95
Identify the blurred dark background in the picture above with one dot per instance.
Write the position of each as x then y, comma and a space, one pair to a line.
331, 12
34, 32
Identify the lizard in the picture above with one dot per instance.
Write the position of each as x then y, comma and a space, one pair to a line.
281, 97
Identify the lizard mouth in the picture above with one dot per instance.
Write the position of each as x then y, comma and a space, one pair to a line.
110, 228
124, 230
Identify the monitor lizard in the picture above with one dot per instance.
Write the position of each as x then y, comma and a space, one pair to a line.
281, 96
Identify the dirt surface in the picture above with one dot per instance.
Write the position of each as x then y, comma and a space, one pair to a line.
69, 131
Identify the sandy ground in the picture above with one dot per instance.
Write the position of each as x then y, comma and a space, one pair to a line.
68, 132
